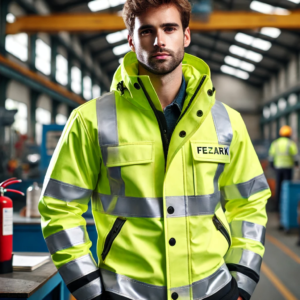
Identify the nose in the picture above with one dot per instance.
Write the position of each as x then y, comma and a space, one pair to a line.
159, 40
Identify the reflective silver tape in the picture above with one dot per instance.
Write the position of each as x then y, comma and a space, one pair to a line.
248, 230
222, 123
219, 171
211, 284
132, 206
77, 268
244, 282
66, 192
246, 189
89, 291
244, 258
108, 137
192, 205
130, 288
184, 292
66, 239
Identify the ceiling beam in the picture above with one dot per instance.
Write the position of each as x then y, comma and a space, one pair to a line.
111, 22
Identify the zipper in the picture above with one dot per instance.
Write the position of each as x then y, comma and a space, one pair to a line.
161, 120
111, 236
218, 224
192, 99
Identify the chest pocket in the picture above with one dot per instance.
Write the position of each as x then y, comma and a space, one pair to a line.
209, 159
130, 168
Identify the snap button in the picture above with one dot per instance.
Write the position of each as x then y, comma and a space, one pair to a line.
172, 241
199, 113
210, 93
174, 296
137, 86
182, 133
171, 210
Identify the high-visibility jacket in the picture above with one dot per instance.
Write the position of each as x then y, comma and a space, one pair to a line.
162, 232
283, 153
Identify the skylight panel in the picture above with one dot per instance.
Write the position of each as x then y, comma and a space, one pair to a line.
235, 72
268, 9
251, 55
241, 74
119, 50
232, 61
247, 66
228, 70
271, 31
261, 44
244, 38
10, 18
117, 36
121, 60
295, 1
98, 5
237, 50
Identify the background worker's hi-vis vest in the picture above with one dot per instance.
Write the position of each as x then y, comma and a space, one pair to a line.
283, 153
162, 233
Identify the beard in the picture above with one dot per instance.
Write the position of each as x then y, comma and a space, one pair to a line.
163, 66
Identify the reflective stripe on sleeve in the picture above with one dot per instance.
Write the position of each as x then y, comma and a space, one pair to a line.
246, 189
244, 282
244, 258
89, 291
222, 123
248, 230
66, 239
77, 268
108, 136
65, 191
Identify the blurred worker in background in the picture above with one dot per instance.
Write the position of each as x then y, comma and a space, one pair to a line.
283, 157
155, 155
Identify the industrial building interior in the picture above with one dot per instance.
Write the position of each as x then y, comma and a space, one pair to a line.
56, 55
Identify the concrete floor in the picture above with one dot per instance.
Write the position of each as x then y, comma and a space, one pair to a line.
280, 273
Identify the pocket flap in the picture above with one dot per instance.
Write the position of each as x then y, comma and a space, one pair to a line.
129, 154
214, 152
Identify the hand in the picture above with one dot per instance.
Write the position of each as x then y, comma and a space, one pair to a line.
240, 298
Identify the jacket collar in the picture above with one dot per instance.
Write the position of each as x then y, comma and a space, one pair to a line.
193, 69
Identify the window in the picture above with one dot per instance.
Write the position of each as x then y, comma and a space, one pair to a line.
96, 91
17, 44
43, 57
20, 123
76, 79
61, 70
42, 116
87, 87
60, 119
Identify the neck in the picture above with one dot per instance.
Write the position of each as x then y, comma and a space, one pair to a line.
166, 86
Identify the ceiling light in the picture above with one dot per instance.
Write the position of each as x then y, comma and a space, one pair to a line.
98, 5
261, 44
121, 60
295, 1
271, 31
237, 50
119, 50
228, 70
241, 74
117, 36
251, 55
267, 8
10, 18
116, 2
232, 61
247, 66
244, 38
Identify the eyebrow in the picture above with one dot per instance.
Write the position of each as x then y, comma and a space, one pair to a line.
162, 25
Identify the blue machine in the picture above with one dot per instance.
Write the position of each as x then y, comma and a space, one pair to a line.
290, 196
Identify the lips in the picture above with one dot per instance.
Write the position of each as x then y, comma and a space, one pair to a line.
161, 55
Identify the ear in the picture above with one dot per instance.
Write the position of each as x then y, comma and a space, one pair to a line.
187, 37
130, 42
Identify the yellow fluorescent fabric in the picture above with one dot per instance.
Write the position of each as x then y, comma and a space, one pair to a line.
111, 151
283, 153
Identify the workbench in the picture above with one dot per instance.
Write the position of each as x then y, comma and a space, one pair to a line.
42, 283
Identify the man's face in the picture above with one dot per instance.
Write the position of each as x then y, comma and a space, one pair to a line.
159, 40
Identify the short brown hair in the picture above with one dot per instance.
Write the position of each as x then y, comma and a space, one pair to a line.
135, 8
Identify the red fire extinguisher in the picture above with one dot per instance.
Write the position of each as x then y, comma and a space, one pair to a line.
6, 225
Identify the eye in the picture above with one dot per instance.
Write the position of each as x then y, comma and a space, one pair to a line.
170, 29
146, 31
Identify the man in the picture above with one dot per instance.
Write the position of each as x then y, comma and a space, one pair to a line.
155, 183
283, 157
